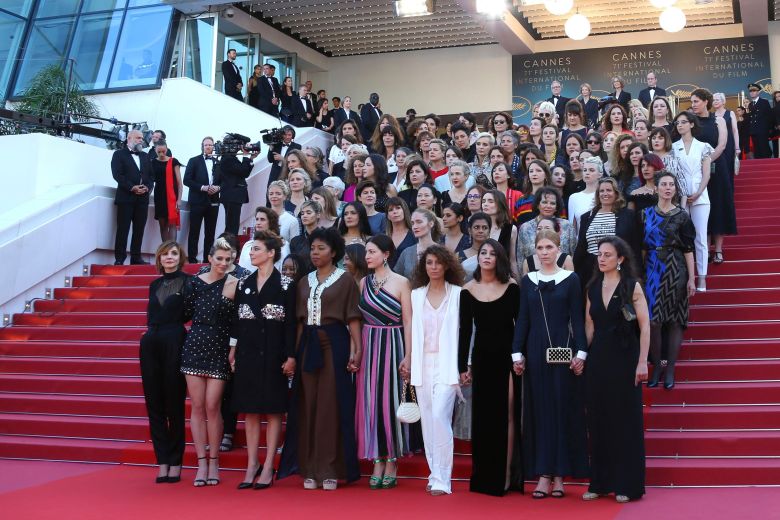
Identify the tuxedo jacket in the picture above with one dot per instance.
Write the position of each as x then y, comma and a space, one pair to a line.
299, 116
623, 99
232, 77
127, 174
196, 176
644, 95
267, 91
233, 176
370, 119
340, 115
560, 108
761, 117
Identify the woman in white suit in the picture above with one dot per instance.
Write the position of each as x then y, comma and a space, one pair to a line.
432, 362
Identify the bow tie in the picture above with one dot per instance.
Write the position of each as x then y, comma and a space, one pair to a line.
134, 152
303, 98
556, 97
547, 286
209, 158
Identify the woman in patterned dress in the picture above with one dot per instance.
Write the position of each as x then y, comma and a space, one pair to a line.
385, 301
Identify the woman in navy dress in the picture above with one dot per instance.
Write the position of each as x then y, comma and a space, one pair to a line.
554, 440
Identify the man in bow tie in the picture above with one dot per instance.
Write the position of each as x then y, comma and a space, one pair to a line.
231, 74
652, 91
132, 172
303, 111
203, 179
558, 101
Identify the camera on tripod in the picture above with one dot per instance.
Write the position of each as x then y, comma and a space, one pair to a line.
234, 143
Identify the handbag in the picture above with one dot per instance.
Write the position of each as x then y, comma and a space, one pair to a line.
555, 355
408, 412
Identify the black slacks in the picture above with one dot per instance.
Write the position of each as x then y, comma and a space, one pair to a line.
229, 417
232, 216
761, 146
201, 214
128, 213
164, 390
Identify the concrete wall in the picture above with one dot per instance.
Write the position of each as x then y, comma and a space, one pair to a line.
774, 53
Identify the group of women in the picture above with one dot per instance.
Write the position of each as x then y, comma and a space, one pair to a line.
519, 289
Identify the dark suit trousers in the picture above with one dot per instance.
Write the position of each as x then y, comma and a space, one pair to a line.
229, 417
128, 213
198, 215
232, 92
164, 390
761, 146
232, 216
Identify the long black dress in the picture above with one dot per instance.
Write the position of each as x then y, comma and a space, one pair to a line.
723, 215
264, 325
554, 439
614, 403
492, 324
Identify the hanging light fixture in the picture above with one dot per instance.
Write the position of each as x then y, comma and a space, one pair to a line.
577, 27
672, 19
662, 4
491, 8
559, 7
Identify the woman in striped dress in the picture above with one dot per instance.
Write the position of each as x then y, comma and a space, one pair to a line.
385, 301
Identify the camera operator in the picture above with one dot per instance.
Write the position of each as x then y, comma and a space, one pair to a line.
277, 152
131, 170
233, 187
202, 177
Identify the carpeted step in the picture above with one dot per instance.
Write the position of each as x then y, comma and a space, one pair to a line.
88, 405
703, 313
98, 269
114, 281
748, 252
103, 293
712, 471
82, 319
730, 349
737, 296
31, 333
741, 281
64, 366
734, 330
760, 370
743, 392
92, 305
92, 349
708, 444
713, 417
746, 266
80, 385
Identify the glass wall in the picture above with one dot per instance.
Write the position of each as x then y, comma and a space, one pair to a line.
13, 19
114, 44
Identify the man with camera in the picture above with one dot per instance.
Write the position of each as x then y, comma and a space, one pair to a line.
233, 186
278, 151
203, 178
132, 172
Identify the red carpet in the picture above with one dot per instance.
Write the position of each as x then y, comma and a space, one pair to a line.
43, 491
70, 386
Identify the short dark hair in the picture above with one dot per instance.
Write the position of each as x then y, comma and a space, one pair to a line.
503, 266
270, 241
164, 248
459, 127
704, 95
362, 185
332, 238
433, 116
161, 132
663, 132
231, 50
480, 215
453, 273
539, 196
272, 216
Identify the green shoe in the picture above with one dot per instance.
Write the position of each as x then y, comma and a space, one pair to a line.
389, 482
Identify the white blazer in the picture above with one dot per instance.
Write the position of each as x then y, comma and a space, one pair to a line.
448, 337
691, 161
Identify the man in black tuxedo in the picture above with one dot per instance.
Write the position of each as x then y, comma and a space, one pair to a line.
558, 101
133, 174
269, 91
646, 95
202, 177
761, 122
302, 109
311, 94
345, 112
157, 135
233, 188
231, 75
277, 152
370, 114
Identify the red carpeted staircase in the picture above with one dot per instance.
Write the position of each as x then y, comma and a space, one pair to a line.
70, 386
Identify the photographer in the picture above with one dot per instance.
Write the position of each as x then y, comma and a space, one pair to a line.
278, 151
233, 187
202, 177
132, 173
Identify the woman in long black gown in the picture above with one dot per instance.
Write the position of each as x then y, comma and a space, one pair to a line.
554, 440
488, 307
262, 353
617, 365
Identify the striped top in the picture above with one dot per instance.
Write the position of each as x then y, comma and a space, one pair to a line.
380, 309
602, 225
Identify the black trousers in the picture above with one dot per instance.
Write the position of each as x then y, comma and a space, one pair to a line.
232, 216
200, 214
761, 146
128, 213
229, 417
164, 390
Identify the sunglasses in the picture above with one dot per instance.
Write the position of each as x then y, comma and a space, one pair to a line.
593, 142
473, 196
499, 122
545, 115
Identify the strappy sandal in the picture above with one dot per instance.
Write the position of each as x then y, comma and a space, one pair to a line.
375, 482
199, 482
538, 493
387, 481
718, 258
227, 443
213, 481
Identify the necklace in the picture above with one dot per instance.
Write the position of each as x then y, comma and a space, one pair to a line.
377, 285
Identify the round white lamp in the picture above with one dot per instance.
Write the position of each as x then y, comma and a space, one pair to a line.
577, 27
559, 7
672, 19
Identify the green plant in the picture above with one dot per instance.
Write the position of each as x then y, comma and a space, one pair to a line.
46, 96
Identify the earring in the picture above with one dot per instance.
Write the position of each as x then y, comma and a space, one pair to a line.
618, 267
384, 262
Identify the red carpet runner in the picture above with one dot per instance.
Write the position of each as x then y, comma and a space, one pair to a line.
70, 386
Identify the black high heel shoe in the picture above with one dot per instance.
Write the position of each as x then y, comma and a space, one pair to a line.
653, 381
247, 485
173, 479
669, 379
258, 485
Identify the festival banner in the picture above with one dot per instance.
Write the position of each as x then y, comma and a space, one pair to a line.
726, 65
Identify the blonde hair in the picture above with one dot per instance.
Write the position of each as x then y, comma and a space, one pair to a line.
546, 234
221, 244
430, 216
